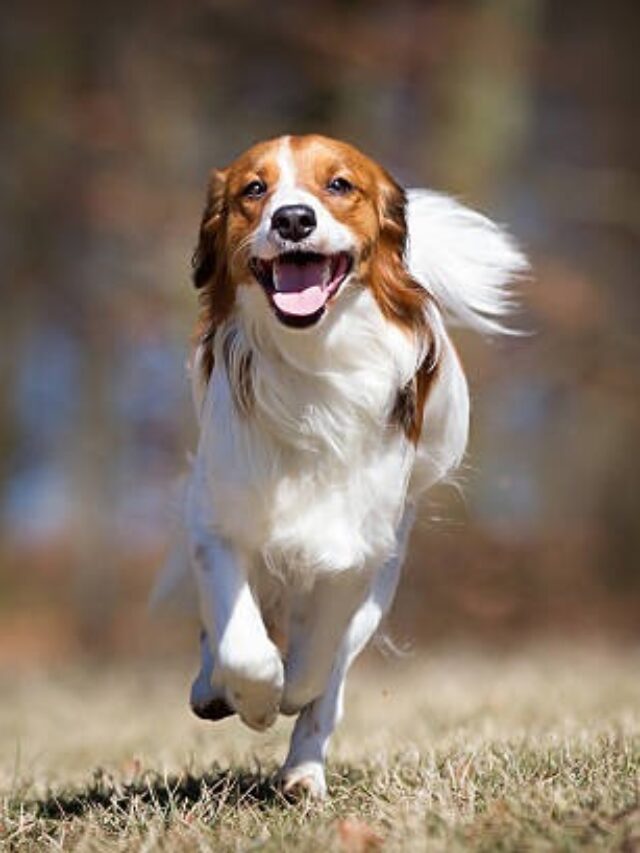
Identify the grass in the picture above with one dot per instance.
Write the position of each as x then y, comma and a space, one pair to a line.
539, 751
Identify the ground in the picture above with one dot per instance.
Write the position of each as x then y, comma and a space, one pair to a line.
438, 751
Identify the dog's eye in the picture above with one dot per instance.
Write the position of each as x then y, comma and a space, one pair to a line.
254, 189
339, 186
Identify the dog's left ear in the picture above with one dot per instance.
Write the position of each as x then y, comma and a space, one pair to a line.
400, 298
392, 204
208, 255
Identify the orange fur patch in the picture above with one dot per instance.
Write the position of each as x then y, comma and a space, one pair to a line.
374, 211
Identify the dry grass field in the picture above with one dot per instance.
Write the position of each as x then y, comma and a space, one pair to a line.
535, 751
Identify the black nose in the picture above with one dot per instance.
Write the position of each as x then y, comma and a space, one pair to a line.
294, 221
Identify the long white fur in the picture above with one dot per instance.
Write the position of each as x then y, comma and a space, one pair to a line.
300, 510
465, 259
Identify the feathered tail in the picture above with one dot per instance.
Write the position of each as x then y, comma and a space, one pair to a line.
465, 260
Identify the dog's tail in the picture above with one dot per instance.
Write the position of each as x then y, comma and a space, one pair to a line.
464, 259
174, 585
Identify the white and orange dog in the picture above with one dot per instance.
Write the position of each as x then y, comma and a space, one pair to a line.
329, 398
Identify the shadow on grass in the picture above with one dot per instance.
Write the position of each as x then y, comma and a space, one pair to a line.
163, 794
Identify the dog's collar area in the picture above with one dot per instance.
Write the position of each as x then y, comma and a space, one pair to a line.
299, 285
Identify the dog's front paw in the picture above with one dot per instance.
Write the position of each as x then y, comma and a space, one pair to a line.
304, 779
216, 708
254, 682
208, 701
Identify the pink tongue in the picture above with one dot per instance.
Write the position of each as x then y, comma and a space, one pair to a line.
301, 304
300, 288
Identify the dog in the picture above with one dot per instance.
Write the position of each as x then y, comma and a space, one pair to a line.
329, 398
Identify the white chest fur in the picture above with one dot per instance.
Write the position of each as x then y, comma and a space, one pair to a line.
309, 473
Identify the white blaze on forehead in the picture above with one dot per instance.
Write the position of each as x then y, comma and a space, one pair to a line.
329, 235
286, 165
287, 189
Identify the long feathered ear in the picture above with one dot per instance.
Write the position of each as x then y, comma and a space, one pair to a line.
208, 254
405, 302
210, 270
400, 298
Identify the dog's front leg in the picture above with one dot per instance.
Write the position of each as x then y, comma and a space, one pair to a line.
208, 699
318, 622
304, 766
246, 666
317, 661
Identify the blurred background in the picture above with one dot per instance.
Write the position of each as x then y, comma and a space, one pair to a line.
112, 115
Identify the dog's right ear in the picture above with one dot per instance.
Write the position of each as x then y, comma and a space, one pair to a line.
209, 251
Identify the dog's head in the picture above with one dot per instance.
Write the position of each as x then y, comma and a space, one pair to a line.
293, 223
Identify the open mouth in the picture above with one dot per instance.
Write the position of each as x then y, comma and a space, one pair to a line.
300, 284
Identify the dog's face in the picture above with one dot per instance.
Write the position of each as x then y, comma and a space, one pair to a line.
297, 219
